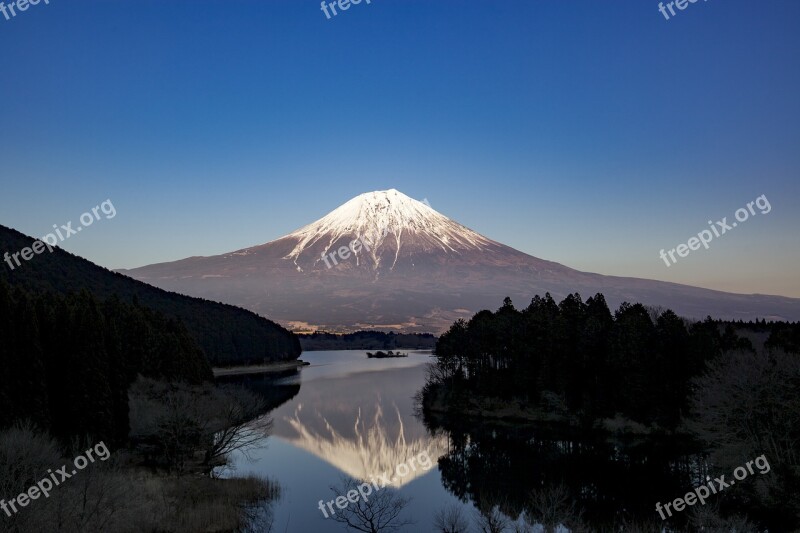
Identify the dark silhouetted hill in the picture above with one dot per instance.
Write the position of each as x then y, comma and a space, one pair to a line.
227, 334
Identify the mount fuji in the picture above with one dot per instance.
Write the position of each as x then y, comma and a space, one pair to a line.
386, 261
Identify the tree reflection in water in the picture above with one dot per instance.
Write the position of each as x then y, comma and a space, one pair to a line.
561, 476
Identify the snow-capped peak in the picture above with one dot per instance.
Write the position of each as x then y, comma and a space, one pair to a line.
387, 218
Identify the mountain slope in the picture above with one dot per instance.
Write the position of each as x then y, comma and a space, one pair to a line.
415, 270
227, 334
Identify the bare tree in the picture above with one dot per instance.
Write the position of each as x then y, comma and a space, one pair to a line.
98, 499
748, 404
101, 498
491, 520
378, 512
450, 519
241, 424
553, 506
25, 455
178, 420
708, 518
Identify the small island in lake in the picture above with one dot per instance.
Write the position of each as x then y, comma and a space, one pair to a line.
383, 355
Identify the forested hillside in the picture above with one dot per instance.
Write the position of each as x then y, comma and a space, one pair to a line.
68, 361
228, 335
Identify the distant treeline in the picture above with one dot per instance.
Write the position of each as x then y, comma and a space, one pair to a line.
228, 335
366, 340
68, 361
638, 362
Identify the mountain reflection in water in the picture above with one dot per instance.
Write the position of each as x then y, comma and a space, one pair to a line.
347, 415
365, 447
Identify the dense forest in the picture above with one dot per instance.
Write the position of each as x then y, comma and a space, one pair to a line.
227, 334
68, 361
730, 390
581, 358
366, 340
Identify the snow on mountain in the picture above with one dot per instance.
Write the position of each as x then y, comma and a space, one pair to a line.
386, 219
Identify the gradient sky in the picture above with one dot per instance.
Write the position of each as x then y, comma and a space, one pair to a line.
585, 132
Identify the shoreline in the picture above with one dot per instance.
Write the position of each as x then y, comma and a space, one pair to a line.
488, 410
268, 368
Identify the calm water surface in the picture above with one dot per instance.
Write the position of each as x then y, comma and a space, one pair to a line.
350, 415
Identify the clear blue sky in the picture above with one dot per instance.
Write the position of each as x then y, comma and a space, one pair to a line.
585, 132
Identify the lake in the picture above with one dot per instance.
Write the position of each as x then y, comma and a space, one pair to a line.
350, 415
